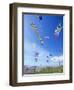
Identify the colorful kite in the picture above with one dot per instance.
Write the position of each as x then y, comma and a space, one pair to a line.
57, 30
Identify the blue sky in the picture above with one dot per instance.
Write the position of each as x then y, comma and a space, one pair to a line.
46, 28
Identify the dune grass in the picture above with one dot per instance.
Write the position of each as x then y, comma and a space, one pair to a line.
50, 70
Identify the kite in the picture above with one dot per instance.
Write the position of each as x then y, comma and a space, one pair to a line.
46, 37
36, 59
37, 32
58, 30
47, 60
39, 17
42, 42
47, 56
34, 26
56, 35
50, 55
36, 54
33, 45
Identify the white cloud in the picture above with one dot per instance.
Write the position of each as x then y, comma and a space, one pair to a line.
57, 58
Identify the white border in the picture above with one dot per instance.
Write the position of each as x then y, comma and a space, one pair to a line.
52, 77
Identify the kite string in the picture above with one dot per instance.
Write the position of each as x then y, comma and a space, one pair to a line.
37, 32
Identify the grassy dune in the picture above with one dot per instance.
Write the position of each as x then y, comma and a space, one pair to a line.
40, 70
51, 70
